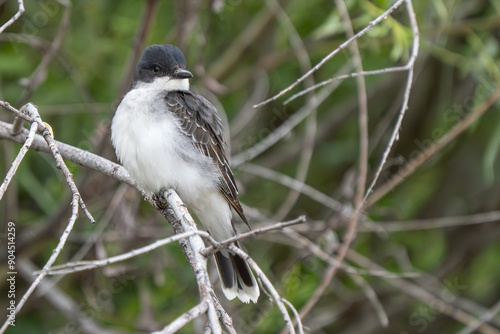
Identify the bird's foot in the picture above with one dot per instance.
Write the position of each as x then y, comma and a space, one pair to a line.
159, 200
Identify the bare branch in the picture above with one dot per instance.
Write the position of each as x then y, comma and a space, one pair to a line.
224, 317
269, 286
413, 164
300, 328
19, 158
420, 293
275, 227
33, 113
71, 153
362, 166
172, 208
406, 96
485, 317
20, 11
184, 319
334, 52
348, 76
71, 267
284, 128
52, 259
176, 216
432, 223
300, 240
398, 281
294, 184
30, 112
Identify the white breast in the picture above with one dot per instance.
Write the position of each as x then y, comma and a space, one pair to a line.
149, 144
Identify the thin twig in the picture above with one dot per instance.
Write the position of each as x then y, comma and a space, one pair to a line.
16, 112
70, 153
29, 112
398, 281
363, 112
294, 184
72, 267
172, 208
317, 251
334, 52
57, 156
413, 164
52, 259
224, 317
184, 319
362, 167
213, 318
19, 158
420, 293
300, 328
15, 17
485, 317
433, 223
348, 76
406, 96
284, 128
274, 227
269, 286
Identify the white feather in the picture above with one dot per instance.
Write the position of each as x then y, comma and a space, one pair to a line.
149, 143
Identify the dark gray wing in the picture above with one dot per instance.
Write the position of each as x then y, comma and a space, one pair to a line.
200, 121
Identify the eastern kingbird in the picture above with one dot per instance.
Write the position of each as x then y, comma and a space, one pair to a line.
167, 136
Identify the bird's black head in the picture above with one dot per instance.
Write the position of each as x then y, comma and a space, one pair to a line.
160, 61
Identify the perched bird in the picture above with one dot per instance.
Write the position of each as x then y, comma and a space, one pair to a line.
168, 137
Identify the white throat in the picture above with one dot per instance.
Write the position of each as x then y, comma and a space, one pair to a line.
166, 83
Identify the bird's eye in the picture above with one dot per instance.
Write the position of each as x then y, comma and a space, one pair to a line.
156, 69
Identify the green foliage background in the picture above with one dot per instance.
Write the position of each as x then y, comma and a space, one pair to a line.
457, 69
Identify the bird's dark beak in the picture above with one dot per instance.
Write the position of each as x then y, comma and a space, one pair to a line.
182, 74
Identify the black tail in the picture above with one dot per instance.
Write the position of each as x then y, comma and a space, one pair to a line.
236, 277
